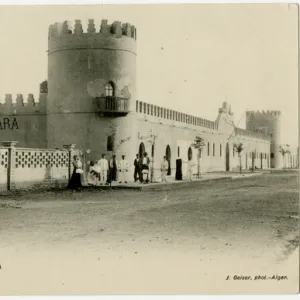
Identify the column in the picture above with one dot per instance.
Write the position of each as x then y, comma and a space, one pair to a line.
11, 158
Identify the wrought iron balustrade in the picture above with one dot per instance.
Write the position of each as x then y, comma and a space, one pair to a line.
112, 105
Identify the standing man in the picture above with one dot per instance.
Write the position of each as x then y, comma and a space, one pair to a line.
113, 165
145, 168
136, 168
164, 169
103, 165
123, 169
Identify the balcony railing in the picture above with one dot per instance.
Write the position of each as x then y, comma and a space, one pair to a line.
109, 105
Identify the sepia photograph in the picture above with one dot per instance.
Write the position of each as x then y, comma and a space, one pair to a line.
149, 149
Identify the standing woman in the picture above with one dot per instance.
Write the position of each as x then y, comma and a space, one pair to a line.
75, 181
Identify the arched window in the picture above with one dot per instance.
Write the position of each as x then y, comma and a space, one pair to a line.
213, 149
208, 149
110, 144
109, 89
178, 151
190, 153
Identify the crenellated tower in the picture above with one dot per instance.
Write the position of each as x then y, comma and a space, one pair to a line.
91, 84
270, 123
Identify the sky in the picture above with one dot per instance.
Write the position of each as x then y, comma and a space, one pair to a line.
190, 58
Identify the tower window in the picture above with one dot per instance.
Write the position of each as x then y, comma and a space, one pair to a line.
141, 107
109, 90
110, 143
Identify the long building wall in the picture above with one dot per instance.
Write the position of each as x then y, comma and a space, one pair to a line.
178, 136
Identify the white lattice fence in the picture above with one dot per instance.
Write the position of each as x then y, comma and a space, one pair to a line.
39, 165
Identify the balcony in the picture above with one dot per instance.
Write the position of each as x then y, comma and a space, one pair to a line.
112, 106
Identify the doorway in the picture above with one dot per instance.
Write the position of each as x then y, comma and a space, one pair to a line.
168, 155
227, 158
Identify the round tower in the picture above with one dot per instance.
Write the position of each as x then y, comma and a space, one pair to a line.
270, 123
92, 86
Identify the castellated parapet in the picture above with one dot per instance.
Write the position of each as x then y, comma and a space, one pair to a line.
117, 35
19, 106
264, 113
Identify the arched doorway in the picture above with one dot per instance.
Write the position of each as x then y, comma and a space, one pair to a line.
141, 149
168, 155
190, 153
227, 158
261, 160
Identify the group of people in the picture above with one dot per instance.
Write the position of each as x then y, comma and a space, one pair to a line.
103, 172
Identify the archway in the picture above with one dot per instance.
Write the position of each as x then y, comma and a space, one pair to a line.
227, 158
190, 153
168, 155
141, 149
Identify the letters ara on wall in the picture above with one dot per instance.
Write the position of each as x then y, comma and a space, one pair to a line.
8, 123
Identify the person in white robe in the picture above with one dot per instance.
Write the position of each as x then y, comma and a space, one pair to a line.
123, 169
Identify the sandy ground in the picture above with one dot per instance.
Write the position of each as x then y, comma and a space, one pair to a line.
173, 240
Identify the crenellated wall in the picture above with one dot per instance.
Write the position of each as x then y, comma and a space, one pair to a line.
23, 105
24, 120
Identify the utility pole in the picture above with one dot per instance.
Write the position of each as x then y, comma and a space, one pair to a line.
153, 138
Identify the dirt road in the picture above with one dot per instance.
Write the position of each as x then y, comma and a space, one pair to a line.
185, 240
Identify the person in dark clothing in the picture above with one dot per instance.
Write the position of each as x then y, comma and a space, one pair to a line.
113, 168
136, 163
178, 175
75, 181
